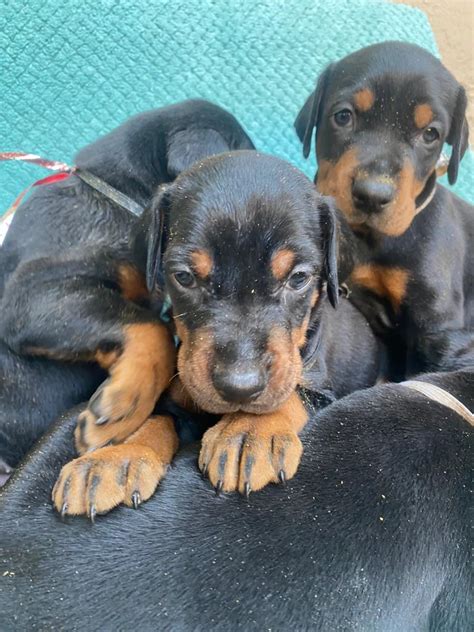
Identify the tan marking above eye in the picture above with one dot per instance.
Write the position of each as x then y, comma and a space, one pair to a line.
282, 262
423, 115
202, 263
364, 99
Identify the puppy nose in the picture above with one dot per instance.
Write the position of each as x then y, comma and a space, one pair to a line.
239, 386
372, 195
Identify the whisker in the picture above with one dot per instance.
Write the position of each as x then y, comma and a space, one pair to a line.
173, 377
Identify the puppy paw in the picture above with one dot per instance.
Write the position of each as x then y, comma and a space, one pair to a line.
96, 483
116, 410
137, 379
247, 453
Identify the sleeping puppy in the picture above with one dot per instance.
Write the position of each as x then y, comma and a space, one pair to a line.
382, 115
244, 249
50, 317
372, 534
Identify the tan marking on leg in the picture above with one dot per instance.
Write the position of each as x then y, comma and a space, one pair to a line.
107, 358
245, 452
97, 482
132, 283
139, 376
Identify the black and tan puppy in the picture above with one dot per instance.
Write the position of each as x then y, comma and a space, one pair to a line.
245, 249
381, 117
72, 308
372, 534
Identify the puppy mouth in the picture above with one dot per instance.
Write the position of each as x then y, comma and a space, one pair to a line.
211, 401
195, 370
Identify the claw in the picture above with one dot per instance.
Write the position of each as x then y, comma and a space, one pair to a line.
136, 500
282, 477
93, 514
204, 471
219, 487
63, 511
247, 490
95, 399
101, 421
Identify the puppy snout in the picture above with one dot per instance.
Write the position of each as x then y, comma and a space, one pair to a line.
372, 195
239, 383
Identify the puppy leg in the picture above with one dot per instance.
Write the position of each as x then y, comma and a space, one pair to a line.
245, 452
129, 473
86, 309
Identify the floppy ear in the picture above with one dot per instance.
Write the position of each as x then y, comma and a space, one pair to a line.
187, 146
309, 115
156, 240
328, 235
327, 222
458, 135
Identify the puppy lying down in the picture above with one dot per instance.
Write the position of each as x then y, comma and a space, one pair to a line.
244, 249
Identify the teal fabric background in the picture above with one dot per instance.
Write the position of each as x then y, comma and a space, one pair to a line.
72, 70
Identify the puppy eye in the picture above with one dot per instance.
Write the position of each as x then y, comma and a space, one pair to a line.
299, 280
185, 279
430, 135
343, 118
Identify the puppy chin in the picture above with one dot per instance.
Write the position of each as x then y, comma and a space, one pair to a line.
209, 400
393, 222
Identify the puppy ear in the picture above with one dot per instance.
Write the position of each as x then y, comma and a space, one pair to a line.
156, 240
328, 231
309, 115
187, 146
458, 135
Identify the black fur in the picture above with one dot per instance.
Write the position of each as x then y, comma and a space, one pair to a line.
372, 534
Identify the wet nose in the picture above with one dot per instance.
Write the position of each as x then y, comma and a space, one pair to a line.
239, 385
372, 195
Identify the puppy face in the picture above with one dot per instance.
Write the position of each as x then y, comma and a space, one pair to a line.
250, 249
382, 115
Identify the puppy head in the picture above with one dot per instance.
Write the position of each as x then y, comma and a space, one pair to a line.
381, 116
250, 250
155, 146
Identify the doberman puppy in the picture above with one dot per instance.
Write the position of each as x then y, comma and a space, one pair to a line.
381, 116
372, 534
245, 249
56, 279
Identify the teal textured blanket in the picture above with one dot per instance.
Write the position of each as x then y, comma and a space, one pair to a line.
71, 71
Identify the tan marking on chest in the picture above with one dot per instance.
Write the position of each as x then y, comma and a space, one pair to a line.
387, 282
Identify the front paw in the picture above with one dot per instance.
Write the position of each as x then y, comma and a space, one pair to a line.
249, 453
96, 483
116, 410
